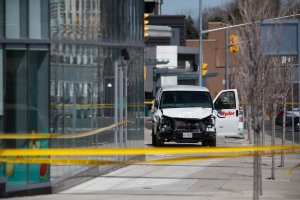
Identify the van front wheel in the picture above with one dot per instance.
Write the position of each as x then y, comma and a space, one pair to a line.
153, 138
213, 142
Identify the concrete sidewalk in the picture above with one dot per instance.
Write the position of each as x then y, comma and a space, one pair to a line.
219, 179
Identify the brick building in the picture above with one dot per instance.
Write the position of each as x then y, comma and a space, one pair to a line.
214, 55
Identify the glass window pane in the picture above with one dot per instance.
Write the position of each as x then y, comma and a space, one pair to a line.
1, 18
12, 16
38, 97
35, 20
38, 19
16, 109
23, 18
16, 19
38, 106
45, 18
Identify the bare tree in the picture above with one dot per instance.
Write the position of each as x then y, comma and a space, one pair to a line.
285, 79
257, 74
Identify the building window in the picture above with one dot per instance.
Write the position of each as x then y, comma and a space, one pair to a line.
38, 19
26, 106
1, 18
15, 19
25, 19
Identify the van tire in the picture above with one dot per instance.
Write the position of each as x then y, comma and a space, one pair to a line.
159, 142
153, 138
213, 142
205, 143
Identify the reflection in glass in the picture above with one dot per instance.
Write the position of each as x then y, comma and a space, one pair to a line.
26, 106
83, 76
15, 108
38, 107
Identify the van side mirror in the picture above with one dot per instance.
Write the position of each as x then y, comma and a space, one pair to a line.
155, 104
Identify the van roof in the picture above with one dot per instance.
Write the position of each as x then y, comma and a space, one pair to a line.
184, 88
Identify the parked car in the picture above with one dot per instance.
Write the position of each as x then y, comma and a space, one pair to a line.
290, 114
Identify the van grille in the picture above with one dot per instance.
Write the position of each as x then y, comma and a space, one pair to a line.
186, 125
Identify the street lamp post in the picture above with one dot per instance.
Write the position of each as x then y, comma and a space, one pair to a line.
200, 43
227, 60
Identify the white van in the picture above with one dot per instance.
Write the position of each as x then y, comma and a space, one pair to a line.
187, 114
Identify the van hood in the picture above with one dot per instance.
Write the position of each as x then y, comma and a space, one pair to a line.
187, 113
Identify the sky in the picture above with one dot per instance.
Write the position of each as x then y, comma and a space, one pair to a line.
172, 7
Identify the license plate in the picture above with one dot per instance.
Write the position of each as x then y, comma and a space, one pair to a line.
187, 135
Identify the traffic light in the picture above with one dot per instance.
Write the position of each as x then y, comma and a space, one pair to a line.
233, 40
146, 28
204, 69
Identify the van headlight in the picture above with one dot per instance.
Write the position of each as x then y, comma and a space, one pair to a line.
210, 124
166, 123
210, 129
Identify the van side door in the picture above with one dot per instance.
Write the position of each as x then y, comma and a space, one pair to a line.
226, 104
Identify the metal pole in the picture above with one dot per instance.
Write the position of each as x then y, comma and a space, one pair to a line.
256, 182
116, 103
200, 43
159, 7
273, 142
227, 60
126, 104
293, 123
121, 107
245, 24
74, 109
283, 132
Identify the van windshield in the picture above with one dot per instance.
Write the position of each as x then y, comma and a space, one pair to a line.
185, 99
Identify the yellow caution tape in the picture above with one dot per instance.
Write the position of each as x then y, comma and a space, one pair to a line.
72, 161
26, 136
138, 151
148, 102
67, 161
61, 136
218, 156
82, 106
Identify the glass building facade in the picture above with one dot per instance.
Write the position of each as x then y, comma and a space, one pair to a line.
69, 66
